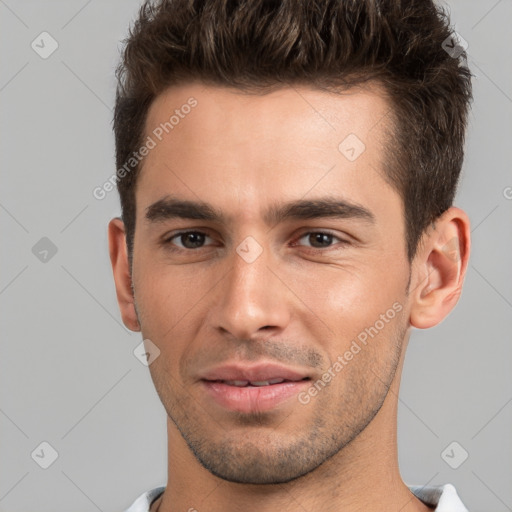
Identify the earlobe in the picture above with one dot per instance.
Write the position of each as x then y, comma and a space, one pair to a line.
121, 270
439, 269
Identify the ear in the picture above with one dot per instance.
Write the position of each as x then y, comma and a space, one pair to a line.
122, 277
439, 268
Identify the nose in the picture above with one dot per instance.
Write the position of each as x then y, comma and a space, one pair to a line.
251, 300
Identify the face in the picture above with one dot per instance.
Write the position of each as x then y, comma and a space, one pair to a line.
270, 271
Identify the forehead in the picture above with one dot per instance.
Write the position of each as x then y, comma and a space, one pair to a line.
218, 144
302, 113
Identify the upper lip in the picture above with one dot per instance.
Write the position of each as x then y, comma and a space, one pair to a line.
254, 373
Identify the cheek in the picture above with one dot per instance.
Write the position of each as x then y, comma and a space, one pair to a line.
171, 302
344, 301
164, 295
172, 289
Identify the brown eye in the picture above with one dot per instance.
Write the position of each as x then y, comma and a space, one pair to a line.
188, 239
319, 240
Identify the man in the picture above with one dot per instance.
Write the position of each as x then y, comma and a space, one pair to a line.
286, 173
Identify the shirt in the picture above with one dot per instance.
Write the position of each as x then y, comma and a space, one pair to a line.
444, 497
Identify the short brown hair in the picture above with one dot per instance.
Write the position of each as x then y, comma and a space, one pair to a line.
258, 45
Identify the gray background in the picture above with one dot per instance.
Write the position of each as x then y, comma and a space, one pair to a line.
68, 373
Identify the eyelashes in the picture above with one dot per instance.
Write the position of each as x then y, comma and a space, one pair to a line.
194, 240
326, 235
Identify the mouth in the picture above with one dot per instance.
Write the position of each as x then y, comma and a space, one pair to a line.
248, 389
262, 374
256, 383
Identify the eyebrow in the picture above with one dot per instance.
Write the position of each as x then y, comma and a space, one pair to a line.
170, 207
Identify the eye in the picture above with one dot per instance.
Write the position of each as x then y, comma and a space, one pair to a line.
188, 239
320, 239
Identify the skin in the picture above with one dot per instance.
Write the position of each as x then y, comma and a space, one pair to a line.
300, 303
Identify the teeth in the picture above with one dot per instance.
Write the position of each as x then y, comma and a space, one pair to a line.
239, 383
243, 383
260, 383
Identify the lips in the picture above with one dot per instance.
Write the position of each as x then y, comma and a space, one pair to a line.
244, 383
246, 389
263, 374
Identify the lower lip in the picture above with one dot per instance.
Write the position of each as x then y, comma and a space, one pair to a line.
252, 398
